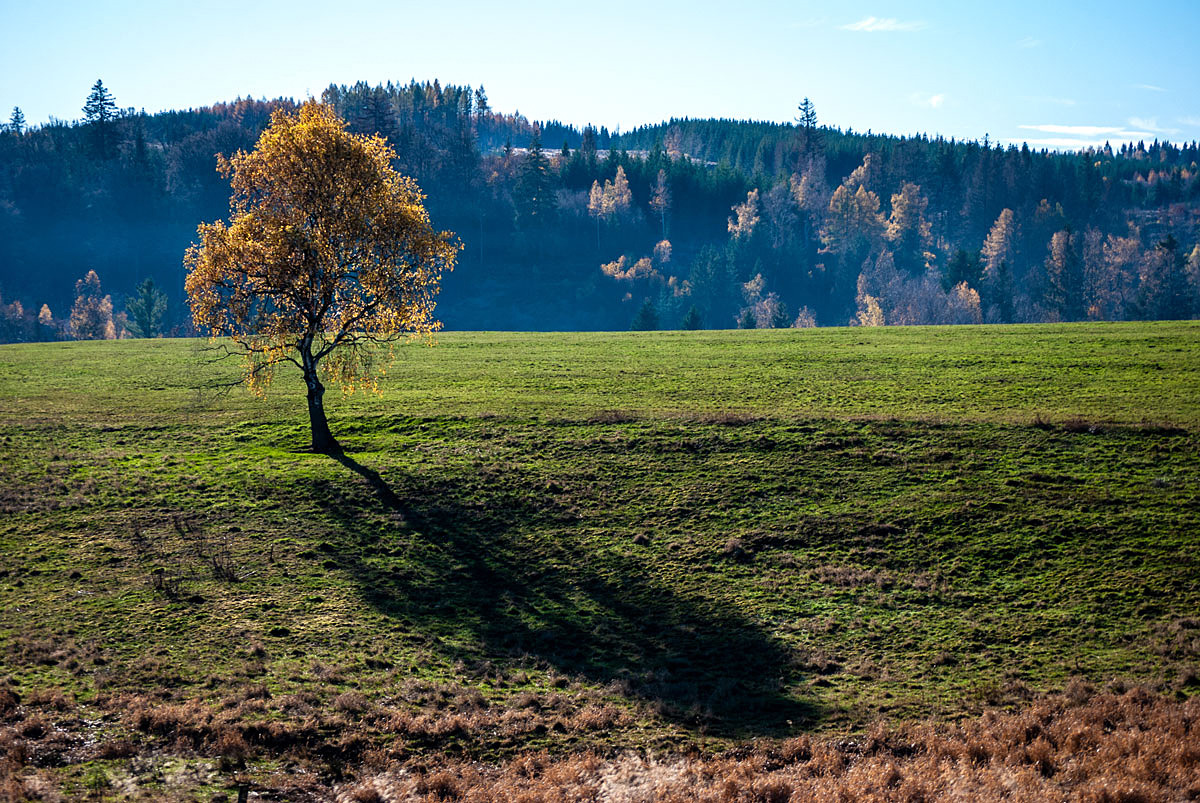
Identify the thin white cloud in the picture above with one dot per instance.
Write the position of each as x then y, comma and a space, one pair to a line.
928, 101
1190, 121
1061, 143
876, 24
1074, 130
1149, 87
1078, 137
1151, 124
1028, 42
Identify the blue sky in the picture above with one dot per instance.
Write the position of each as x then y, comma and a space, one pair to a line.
1055, 74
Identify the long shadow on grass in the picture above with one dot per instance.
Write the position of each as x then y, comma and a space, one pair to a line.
455, 557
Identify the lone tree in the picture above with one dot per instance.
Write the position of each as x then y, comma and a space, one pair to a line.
100, 114
811, 135
328, 253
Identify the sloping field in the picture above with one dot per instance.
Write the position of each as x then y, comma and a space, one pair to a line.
718, 547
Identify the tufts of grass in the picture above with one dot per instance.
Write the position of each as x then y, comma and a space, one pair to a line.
587, 544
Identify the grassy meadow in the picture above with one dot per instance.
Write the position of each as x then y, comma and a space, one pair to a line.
642, 544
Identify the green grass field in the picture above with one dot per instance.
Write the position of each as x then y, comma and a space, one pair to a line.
604, 541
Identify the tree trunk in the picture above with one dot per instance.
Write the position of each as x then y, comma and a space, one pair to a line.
322, 439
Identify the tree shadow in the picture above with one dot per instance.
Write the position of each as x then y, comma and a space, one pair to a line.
463, 558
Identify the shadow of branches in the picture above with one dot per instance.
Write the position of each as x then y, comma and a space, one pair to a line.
503, 569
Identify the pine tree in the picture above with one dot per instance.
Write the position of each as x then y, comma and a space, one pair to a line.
692, 320
377, 116
535, 201
100, 114
962, 267
1001, 291
16, 123
100, 106
647, 318
811, 135
1064, 277
146, 310
748, 321
587, 147
482, 109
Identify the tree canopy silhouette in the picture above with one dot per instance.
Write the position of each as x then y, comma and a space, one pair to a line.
328, 252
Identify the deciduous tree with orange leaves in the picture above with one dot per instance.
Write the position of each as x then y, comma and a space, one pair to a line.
328, 253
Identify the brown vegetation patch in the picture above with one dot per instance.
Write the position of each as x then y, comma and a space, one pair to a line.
612, 417
1077, 746
1129, 747
728, 419
853, 577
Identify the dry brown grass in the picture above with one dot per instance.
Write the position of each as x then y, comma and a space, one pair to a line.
1078, 746
853, 577
1131, 747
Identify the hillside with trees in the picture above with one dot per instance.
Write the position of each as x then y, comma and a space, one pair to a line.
689, 223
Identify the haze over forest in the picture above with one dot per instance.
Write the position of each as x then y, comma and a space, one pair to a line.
698, 223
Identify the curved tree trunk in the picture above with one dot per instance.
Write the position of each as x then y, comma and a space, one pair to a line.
322, 438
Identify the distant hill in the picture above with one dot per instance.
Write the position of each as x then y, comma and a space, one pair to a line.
822, 232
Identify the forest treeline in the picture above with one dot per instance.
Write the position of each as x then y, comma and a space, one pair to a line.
689, 223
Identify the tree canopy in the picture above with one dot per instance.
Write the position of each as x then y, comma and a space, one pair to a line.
328, 252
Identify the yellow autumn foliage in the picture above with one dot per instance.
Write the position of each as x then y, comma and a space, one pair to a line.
327, 252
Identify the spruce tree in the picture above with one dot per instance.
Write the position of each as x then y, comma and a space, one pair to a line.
647, 318
535, 201
1001, 293
962, 267
1064, 274
481, 102
100, 114
16, 123
146, 310
587, 146
808, 127
692, 319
